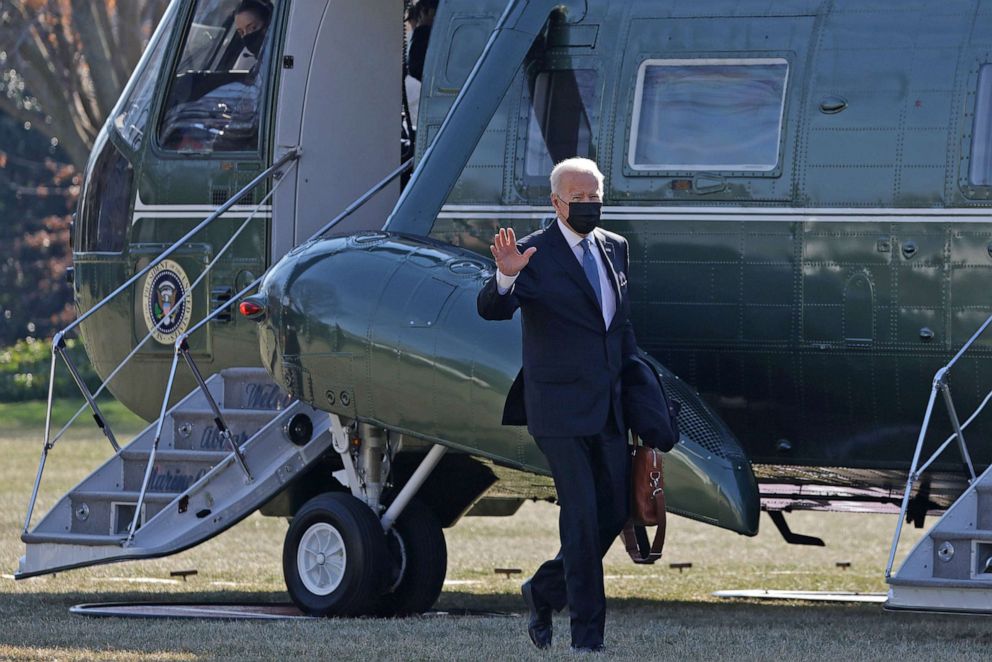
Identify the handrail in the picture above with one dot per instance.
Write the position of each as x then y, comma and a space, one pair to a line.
968, 344
941, 383
58, 342
182, 349
148, 336
291, 155
362, 199
348, 211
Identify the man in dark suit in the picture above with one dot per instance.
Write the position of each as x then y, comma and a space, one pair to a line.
570, 283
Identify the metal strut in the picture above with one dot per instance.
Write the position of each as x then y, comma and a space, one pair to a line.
424, 469
151, 455
48, 438
355, 479
222, 428
958, 432
98, 416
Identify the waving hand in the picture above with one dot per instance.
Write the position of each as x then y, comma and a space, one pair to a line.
509, 260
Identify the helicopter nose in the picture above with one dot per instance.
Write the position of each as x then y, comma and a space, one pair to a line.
254, 307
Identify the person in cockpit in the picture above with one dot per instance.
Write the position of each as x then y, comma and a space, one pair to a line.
251, 20
214, 106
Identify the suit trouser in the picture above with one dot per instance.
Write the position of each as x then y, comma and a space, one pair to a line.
591, 477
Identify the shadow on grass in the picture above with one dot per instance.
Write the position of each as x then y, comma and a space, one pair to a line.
35, 623
726, 612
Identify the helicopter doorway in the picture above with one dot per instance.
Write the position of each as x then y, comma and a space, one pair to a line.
339, 99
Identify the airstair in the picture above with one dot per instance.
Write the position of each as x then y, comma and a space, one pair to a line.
210, 460
950, 568
196, 486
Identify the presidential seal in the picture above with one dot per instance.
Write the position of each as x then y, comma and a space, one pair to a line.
165, 315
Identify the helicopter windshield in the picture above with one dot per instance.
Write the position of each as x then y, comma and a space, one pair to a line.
131, 115
213, 103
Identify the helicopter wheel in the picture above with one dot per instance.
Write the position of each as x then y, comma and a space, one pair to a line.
418, 559
334, 558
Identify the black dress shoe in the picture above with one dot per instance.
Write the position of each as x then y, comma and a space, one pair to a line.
539, 627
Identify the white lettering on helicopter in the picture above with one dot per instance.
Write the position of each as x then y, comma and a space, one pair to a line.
164, 481
211, 439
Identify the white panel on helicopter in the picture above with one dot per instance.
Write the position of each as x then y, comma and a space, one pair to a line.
338, 106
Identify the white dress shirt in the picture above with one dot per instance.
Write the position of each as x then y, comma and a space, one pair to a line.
504, 282
246, 60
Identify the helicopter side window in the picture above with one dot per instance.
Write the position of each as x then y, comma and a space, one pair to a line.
708, 114
562, 121
980, 168
214, 98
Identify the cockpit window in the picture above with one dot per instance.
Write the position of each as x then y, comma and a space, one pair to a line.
213, 104
708, 114
105, 206
131, 114
563, 119
980, 169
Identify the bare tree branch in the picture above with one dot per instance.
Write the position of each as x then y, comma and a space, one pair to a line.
49, 86
65, 62
96, 48
132, 28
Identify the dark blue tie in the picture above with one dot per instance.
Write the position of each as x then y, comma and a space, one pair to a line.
592, 272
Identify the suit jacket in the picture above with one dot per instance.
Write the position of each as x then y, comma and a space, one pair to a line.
571, 361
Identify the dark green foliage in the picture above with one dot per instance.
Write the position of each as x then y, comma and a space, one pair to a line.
37, 195
62, 66
24, 369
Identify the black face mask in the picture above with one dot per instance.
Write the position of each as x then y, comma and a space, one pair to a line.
584, 216
253, 42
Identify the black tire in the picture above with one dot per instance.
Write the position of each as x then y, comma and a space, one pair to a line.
362, 570
418, 562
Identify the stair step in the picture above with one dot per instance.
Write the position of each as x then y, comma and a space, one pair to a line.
941, 595
246, 388
241, 412
938, 582
247, 374
172, 471
123, 496
73, 539
102, 511
983, 535
194, 429
182, 455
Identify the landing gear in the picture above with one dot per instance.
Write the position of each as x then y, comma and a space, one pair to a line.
334, 558
418, 562
347, 555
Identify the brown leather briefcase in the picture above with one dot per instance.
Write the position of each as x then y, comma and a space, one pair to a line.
647, 505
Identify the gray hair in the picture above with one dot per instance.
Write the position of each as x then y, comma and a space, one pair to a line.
575, 164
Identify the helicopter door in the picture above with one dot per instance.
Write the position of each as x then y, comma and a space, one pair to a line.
339, 99
209, 140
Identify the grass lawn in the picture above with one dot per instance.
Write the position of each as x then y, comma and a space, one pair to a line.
27, 419
655, 613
